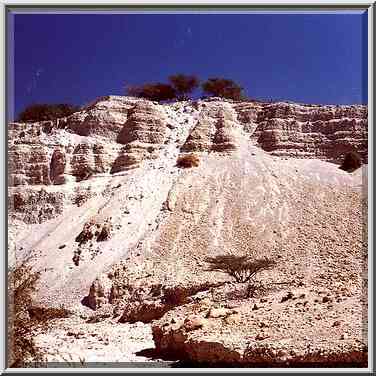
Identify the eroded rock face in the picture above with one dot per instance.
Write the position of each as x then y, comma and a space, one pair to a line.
307, 131
80, 145
113, 222
118, 133
57, 167
29, 165
105, 118
35, 206
226, 136
93, 231
301, 332
216, 130
99, 293
86, 161
142, 134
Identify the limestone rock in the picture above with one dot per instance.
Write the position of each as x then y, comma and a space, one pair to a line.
117, 133
143, 132
325, 132
219, 312
264, 183
216, 129
99, 293
194, 322
57, 167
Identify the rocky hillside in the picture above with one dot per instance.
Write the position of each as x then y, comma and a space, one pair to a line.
100, 206
117, 133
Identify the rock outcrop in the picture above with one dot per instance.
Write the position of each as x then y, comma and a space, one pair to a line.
111, 219
303, 131
217, 129
116, 133
142, 134
301, 333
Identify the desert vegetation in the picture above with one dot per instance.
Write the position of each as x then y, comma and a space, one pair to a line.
184, 85
220, 87
187, 161
42, 112
24, 318
153, 91
181, 86
242, 269
351, 162
21, 346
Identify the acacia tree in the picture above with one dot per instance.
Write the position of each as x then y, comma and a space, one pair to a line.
154, 92
184, 85
134, 91
41, 112
221, 87
242, 268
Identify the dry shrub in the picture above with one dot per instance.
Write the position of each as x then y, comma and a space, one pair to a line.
21, 346
24, 318
242, 268
152, 91
187, 161
221, 87
43, 112
184, 85
351, 162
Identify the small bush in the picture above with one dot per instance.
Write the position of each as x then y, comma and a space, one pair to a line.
24, 318
242, 268
187, 161
22, 347
351, 162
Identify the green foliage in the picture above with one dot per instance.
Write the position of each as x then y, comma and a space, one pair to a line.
184, 85
41, 112
351, 162
220, 87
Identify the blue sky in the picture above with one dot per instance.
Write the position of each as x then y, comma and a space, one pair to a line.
74, 58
